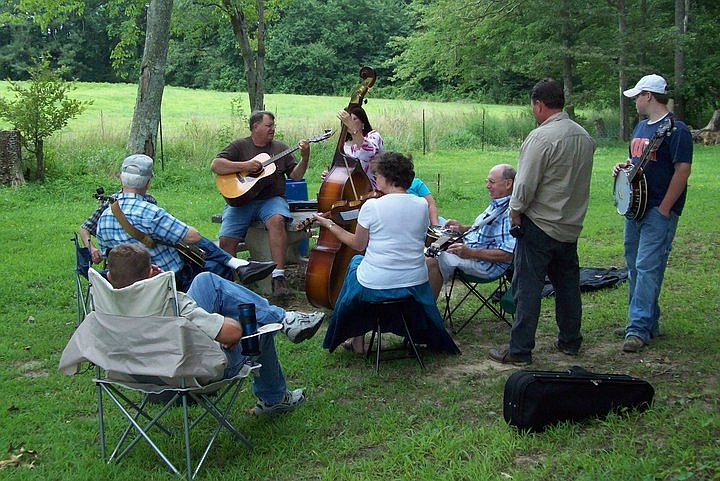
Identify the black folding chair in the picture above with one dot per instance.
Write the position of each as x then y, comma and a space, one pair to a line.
474, 286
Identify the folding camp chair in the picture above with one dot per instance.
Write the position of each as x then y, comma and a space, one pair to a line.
492, 301
141, 348
82, 287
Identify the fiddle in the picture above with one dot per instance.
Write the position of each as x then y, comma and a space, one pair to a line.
341, 211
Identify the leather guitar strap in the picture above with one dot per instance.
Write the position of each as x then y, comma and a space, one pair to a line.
129, 228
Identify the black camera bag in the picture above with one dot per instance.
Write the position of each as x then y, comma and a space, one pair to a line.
534, 400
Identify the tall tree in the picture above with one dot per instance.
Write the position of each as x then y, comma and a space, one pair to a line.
624, 131
682, 8
146, 117
248, 19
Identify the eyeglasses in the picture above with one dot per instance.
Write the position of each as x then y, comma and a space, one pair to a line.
493, 181
269, 126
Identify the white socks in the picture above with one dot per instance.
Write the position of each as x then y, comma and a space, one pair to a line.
234, 263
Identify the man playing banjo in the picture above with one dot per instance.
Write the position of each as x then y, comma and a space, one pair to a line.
650, 232
486, 249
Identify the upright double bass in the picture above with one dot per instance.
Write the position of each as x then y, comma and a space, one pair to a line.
345, 181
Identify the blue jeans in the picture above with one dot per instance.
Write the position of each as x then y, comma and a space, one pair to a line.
647, 247
216, 261
220, 296
536, 255
236, 220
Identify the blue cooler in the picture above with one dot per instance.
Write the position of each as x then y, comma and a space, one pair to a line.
296, 190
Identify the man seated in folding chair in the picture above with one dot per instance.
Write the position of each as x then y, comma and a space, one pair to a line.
483, 250
211, 303
168, 233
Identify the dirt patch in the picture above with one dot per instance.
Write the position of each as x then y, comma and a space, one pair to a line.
664, 363
31, 369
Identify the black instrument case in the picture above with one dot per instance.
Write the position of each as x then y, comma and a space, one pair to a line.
534, 400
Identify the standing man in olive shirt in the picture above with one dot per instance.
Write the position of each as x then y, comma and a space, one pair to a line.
269, 205
547, 208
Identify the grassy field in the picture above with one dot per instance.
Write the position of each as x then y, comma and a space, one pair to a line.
442, 424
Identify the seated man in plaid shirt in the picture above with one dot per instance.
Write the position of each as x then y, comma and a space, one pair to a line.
143, 213
486, 249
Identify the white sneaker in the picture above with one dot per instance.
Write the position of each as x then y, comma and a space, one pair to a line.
291, 401
299, 326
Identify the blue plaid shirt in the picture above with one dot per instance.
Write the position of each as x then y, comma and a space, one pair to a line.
148, 218
91, 222
494, 235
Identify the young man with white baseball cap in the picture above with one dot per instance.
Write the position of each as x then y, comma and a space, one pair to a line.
648, 239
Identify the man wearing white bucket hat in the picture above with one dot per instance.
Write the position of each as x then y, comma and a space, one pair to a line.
648, 237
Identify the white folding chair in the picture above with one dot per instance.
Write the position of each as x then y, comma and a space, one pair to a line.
138, 344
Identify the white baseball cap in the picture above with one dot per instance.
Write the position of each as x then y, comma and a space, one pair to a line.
649, 83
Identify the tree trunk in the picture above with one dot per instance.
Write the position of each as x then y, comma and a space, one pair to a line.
10, 158
681, 19
254, 61
146, 118
710, 134
624, 133
714, 124
568, 61
39, 159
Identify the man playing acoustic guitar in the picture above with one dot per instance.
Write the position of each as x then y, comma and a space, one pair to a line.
648, 237
265, 201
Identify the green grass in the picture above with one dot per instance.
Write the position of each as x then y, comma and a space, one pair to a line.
442, 424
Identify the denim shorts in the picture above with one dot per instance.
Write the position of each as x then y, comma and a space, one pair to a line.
236, 220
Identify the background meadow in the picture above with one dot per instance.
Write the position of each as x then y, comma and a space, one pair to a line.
442, 424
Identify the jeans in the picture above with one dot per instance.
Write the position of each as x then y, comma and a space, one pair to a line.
237, 220
220, 296
647, 246
215, 261
538, 254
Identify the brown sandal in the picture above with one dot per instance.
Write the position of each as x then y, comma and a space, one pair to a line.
348, 346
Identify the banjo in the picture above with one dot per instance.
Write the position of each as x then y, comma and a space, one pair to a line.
630, 191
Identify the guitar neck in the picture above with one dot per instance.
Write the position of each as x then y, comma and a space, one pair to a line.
651, 147
279, 156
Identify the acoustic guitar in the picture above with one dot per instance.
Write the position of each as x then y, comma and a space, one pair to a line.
191, 252
239, 189
630, 192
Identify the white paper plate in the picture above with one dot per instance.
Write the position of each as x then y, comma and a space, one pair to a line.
266, 329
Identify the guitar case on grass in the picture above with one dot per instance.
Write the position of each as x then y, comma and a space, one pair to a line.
534, 400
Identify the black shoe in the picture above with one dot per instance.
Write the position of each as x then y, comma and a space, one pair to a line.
254, 271
565, 349
504, 357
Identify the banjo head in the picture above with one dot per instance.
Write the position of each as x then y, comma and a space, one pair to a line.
622, 193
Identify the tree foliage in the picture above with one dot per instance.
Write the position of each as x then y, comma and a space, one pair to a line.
485, 50
76, 40
317, 47
40, 108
